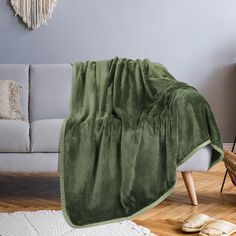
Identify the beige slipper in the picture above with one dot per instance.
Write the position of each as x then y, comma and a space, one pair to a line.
195, 223
218, 228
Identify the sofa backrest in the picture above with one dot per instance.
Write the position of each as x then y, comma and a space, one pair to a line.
50, 89
20, 74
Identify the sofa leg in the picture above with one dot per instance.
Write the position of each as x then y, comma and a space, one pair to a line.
188, 180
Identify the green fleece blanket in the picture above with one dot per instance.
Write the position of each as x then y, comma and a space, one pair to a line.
130, 125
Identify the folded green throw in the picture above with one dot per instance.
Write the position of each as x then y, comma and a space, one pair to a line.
130, 125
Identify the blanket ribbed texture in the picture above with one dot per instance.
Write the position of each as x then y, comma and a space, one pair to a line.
130, 125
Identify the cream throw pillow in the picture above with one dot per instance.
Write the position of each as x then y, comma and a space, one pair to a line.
10, 100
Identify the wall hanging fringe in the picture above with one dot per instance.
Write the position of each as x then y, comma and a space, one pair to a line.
34, 13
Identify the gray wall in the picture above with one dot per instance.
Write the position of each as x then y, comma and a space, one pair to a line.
195, 39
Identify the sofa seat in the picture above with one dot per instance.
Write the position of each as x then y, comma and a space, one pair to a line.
14, 136
199, 161
45, 135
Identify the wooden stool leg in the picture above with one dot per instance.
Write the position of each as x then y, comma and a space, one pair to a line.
188, 180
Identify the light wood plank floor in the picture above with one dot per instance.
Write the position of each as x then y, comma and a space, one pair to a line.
41, 191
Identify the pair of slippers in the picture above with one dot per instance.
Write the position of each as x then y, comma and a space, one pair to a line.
207, 226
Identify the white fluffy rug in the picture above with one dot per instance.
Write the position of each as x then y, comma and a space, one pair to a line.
52, 223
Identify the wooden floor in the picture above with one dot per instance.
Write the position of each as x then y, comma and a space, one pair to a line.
36, 192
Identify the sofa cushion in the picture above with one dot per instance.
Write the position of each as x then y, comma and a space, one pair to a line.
45, 135
14, 136
50, 89
20, 74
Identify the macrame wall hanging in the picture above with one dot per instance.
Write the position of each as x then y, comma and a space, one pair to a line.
34, 13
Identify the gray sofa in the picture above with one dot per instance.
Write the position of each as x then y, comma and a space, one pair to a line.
32, 145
